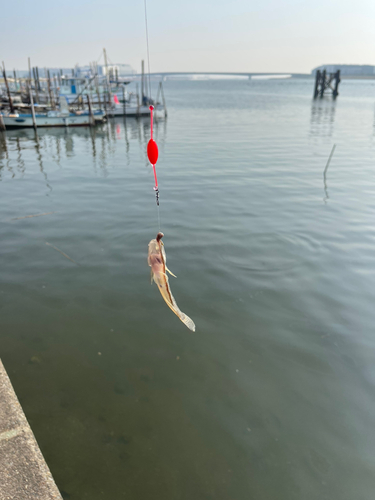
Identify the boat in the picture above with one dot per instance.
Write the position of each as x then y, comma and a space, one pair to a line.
133, 107
52, 119
134, 110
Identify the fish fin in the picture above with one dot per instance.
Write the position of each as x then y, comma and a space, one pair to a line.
187, 321
170, 272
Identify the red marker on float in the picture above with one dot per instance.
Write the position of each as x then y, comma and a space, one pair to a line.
153, 154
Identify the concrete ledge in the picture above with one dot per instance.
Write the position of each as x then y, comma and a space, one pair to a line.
24, 474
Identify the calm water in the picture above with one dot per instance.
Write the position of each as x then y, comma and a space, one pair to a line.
273, 397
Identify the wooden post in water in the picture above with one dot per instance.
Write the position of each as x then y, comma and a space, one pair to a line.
138, 107
8, 91
317, 81
323, 83
50, 90
326, 82
32, 108
2, 124
37, 76
15, 79
92, 119
105, 103
123, 97
337, 81
55, 92
35, 84
29, 72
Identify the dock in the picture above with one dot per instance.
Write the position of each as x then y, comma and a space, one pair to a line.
24, 474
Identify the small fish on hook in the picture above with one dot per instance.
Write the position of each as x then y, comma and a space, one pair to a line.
157, 261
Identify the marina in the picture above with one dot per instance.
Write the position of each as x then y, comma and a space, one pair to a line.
82, 98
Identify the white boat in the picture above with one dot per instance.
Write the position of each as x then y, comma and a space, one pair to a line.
76, 89
131, 110
51, 119
134, 106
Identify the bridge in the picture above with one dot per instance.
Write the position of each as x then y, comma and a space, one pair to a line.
225, 73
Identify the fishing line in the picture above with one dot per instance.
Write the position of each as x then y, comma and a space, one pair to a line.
159, 217
148, 52
152, 147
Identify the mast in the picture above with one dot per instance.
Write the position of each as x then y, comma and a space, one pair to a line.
143, 80
107, 77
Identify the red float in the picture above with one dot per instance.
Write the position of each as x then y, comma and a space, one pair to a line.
152, 151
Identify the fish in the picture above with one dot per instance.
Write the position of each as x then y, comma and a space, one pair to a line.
157, 261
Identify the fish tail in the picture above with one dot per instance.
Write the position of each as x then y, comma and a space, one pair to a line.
187, 321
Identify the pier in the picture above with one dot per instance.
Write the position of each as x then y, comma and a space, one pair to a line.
326, 82
24, 474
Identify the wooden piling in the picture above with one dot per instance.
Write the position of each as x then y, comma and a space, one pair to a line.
326, 82
138, 106
8, 91
337, 81
52, 103
323, 83
105, 103
32, 108
123, 97
92, 119
29, 72
37, 76
2, 124
35, 84
55, 91
317, 81
15, 79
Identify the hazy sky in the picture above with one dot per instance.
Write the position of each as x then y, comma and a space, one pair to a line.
196, 35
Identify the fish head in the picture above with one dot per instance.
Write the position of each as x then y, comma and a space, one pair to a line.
159, 237
155, 256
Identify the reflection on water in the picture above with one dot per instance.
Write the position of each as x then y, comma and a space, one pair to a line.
322, 117
273, 397
56, 142
3, 148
